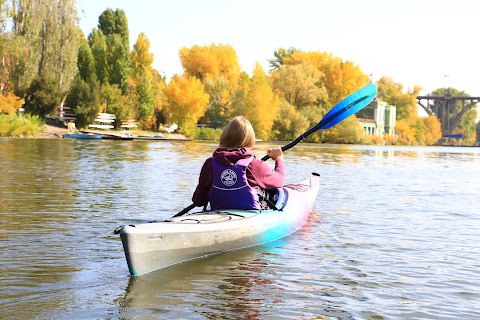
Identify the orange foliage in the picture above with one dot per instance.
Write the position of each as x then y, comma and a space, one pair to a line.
10, 103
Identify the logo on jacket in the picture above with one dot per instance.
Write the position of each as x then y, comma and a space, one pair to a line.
228, 177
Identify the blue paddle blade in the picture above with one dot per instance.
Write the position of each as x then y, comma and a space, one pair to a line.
348, 106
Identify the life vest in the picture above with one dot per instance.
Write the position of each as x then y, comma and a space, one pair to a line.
230, 188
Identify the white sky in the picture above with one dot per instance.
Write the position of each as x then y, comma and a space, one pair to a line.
414, 42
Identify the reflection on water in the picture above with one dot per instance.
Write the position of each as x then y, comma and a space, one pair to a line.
395, 235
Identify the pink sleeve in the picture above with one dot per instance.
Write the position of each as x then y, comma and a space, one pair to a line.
200, 196
265, 177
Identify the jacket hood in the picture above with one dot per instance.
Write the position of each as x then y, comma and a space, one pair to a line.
229, 156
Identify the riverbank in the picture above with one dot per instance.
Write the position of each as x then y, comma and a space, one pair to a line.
54, 132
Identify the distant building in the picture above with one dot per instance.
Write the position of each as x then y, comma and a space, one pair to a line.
378, 118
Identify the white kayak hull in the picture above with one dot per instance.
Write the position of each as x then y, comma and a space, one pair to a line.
152, 246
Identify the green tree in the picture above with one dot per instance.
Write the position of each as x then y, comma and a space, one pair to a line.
280, 56
49, 33
98, 46
110, 49
143, 78
84, 100
393, 93
43, 97
86, 62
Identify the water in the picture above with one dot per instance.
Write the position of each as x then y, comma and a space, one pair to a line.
395, 235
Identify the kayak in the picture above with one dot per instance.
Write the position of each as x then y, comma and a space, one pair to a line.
156, 245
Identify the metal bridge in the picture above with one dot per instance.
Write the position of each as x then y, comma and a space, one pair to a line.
448, 109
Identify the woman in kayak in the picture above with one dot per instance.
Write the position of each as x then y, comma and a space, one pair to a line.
232, 177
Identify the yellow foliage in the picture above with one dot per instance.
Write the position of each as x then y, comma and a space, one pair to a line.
406, 134
341, 77
434, 130
10, 103
209, 62
262, 105
186, 102
298, 84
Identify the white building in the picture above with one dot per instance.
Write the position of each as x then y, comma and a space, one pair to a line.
378, 118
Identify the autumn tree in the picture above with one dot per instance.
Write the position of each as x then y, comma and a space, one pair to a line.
303, 98
186, 102
433, 131
341, 77
261, 105
9, 102
209, 62
217, 67
394, 94
300, 84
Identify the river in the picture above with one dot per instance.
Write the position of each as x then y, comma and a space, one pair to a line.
395, 235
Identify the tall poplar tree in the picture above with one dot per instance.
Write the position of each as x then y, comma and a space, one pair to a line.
143, 78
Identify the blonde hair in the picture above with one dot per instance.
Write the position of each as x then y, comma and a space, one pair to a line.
238, 134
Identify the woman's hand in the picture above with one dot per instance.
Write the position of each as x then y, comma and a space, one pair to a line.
275, 153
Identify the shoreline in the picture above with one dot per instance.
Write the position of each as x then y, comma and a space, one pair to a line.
53, 132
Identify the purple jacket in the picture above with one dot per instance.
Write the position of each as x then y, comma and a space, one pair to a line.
259, 173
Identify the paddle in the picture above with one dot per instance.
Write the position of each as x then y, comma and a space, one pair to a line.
344, 109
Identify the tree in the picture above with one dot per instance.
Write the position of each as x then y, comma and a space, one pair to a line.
143, 78
84, 100
98, 46
280, 56
43, 97
110, 48
9, 102
341, 77
86, 62
210, 62
433, 130
186, 102
289, 123
262, 105
217, 67
346, 132
49, 33
393, 93
299, 84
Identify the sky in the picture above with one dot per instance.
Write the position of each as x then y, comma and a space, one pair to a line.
429, 43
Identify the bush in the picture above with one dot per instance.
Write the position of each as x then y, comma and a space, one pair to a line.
15, 126
207, 134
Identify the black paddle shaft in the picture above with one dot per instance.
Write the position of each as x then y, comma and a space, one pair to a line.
295, 142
